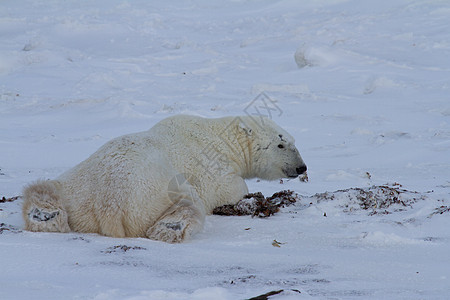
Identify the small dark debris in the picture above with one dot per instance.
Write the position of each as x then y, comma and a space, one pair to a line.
311, 269
385, 212
122, 248
256, 204
277, 244
242, 279
80, 238
430, 239
3, 227
11, 199
272, 293
246, 278
440, 210
303, 177
10, 228
320, 280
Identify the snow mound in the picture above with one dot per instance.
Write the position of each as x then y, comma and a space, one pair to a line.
379, 238
383, 199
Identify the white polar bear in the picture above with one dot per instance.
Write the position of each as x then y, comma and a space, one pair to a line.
160, 183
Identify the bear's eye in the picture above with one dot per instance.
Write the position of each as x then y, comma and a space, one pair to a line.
280, 146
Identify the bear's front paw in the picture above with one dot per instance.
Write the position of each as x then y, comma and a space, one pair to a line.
170, 232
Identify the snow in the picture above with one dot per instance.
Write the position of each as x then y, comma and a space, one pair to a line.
363, 86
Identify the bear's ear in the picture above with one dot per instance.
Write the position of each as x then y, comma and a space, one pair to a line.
243, 127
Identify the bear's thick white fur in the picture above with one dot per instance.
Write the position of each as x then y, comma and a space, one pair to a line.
160, 183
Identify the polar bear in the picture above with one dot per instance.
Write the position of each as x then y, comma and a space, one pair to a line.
160, 183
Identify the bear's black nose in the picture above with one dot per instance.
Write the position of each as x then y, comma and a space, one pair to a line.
300, 170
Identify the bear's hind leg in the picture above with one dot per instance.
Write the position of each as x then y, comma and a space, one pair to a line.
178, 223
42, 208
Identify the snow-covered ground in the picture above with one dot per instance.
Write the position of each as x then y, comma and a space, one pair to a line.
363, 86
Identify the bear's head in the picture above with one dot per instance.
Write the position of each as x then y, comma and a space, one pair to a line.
274, 154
